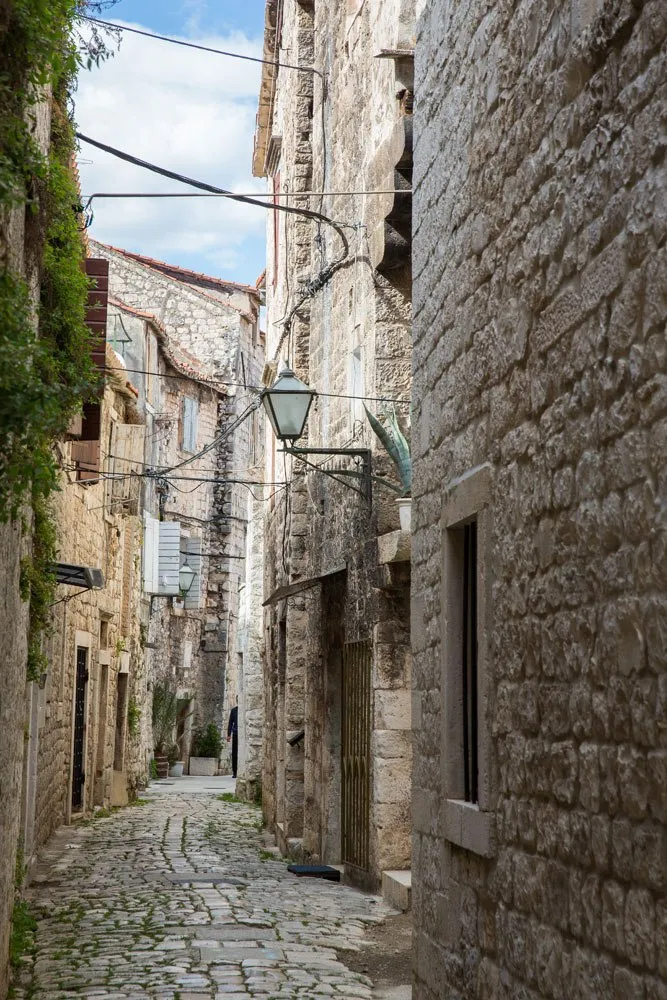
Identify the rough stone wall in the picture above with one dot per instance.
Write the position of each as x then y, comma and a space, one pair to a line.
321, 525
89, 534
540, 306
220, 336
13, 650
17, 230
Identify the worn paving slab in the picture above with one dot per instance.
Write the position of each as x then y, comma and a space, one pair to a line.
130, 908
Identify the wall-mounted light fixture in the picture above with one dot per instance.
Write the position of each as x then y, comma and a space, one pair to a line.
186, 577
287, 404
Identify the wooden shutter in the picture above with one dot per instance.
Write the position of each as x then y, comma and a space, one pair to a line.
169, 561
86, 452
126, 464
193, 550
150, 553
128, 562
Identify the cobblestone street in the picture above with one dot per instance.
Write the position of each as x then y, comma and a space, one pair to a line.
179, 898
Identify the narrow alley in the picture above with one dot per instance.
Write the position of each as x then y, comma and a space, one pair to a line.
178, 897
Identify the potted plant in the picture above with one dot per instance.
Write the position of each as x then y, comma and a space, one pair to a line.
175, 763
206, 748
165, 712
398, 449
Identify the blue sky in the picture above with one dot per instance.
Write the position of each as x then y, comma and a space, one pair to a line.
190, 111
177, 16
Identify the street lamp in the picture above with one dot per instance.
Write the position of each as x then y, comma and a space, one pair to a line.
287, 404
186, 576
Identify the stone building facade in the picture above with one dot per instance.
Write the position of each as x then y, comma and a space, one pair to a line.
83, 739
336, 590
15, 256
192, 347
538, 551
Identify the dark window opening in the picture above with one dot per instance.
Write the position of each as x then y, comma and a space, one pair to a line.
469, 663
121, 713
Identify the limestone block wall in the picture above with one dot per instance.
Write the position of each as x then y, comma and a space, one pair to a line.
213, 330
17, 229
195, 318
352, 339
540, 306
89, 534
13, 650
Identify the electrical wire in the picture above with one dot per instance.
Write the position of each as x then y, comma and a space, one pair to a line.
238, 194
204, 186
258, 388
201, 48
309, 288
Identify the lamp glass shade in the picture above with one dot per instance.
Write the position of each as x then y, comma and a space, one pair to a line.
186, 575
287, 404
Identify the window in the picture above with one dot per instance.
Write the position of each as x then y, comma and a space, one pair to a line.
276, 228
356, 384
469, 662
104, 634
469, 819
152, 378
189, 413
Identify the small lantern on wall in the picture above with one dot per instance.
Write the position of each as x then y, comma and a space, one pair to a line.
186, 576
287, 404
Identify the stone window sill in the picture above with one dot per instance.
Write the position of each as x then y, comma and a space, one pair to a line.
467, 826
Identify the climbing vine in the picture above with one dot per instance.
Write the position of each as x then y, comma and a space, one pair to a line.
46, 371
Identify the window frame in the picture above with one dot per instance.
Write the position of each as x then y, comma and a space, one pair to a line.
470, 825
191, 403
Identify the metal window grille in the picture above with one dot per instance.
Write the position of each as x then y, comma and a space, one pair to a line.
78, 774
469, 663
356, 732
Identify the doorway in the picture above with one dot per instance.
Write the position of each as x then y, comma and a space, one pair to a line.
79, 748
356, 744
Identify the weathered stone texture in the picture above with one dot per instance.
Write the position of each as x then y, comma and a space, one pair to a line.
351, 339
19, 236
540, 305
210, 329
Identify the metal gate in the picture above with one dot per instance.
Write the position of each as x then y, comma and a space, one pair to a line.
356, 752
78, 776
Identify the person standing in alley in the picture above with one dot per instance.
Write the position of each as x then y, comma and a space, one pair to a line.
233, 735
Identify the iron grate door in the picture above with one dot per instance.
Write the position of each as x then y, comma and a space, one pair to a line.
78, 776
356, 727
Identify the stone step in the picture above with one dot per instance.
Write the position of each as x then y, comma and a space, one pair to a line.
397, 889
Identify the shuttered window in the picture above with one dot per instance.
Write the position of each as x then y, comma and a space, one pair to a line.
169, 559
151, 553
190, 413
126, 465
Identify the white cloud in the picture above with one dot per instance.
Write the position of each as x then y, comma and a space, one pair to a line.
192, 112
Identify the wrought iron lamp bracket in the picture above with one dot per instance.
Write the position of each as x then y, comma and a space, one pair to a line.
363, 453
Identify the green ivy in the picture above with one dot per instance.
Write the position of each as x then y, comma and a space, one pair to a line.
46, 371
133, 717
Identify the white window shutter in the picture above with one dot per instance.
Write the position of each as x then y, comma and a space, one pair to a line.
150, 553
193, 550
169, 561
190, 414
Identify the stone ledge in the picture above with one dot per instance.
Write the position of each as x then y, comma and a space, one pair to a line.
394, 547
397, 889
467, 826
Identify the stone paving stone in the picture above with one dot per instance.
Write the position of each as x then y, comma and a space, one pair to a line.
173, 900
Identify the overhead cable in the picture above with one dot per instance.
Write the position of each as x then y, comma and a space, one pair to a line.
202, 48
210, 383
240, 194
204, 186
